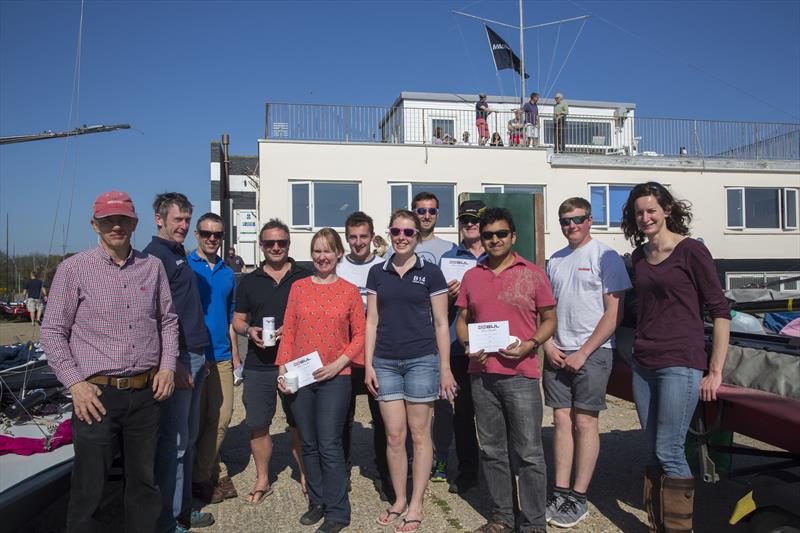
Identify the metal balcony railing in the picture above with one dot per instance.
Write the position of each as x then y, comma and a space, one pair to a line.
597, 134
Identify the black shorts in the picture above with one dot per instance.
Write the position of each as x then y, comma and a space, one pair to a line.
260, 395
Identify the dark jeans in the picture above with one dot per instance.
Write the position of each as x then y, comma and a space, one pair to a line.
319, 411
464, 419
378, 429
508, 412
130, 424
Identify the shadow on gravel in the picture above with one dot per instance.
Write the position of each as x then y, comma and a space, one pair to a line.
235, 452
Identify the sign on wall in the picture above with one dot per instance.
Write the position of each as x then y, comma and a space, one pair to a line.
246, 225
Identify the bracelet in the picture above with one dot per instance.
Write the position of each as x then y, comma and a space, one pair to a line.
247, 331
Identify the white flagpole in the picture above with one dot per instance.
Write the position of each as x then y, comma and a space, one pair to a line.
521, 55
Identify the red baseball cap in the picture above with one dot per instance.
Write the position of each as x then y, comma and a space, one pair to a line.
114, 203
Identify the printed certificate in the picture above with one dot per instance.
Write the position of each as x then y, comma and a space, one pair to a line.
454, 268
304, 367
488, 336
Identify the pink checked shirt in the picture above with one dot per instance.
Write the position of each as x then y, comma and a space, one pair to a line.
109, 320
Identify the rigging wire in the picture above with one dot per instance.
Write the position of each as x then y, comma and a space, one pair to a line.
690, 65
552, 59
564, 64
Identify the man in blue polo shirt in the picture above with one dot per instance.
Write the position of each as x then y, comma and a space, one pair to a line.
215, 279
459, 418
178, 420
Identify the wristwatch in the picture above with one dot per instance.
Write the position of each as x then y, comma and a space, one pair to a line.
536, 344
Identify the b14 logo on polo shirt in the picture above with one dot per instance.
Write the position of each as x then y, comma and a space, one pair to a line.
418, 279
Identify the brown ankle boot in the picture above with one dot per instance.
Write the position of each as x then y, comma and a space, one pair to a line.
677, 504
652, 497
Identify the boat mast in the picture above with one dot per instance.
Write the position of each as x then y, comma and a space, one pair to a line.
83, 130
521, 56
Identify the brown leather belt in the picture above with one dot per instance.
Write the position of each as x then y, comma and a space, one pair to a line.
139, 381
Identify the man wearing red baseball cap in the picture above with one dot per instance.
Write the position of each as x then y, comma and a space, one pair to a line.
110, 333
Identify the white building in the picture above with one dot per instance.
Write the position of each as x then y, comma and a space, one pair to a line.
317, 164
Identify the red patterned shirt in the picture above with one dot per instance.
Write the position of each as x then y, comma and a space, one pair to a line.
326, 318
107, 319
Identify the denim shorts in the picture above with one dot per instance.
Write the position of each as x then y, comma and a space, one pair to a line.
412, 380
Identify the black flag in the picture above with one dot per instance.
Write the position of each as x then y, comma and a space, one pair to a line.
503, 56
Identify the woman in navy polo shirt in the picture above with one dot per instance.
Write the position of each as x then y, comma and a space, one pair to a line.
407, 363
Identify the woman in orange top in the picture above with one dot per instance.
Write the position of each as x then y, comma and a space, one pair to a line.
324, 314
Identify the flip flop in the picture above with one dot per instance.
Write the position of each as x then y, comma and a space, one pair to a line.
261, 493
404, 523
391, 516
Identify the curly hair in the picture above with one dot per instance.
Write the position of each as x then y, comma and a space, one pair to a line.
678, 212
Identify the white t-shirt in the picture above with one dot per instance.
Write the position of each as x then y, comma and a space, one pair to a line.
580, 278
356, 273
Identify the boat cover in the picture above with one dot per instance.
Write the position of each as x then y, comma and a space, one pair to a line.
773, 372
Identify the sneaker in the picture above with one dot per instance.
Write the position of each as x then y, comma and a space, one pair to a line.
439, 472
330, 527
554, 501
570, 513
313, 515
196, 519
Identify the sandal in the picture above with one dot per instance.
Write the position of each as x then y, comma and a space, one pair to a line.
404, 523
256, 497
391, 516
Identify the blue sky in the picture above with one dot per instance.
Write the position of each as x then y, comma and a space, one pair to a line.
182, 73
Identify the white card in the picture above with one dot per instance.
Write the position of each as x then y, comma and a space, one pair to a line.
454, 268
488, 336
304, 367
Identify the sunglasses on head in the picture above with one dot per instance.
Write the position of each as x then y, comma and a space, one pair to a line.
430, 210
408, 232
269, 243
501, 234
208, 234
580, 219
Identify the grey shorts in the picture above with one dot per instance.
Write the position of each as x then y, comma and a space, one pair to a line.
586, 389
260, 398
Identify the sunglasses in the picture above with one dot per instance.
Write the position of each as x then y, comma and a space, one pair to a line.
580, 219
500, 234
408, 232
468, 219
430, 210
208, 234
269, 243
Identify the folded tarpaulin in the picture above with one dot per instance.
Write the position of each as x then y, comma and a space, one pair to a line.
30, 446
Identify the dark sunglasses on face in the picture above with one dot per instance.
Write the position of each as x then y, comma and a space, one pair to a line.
430, 210
208, 234
269, 243
580, 219
408, 232
468, 219
501, 234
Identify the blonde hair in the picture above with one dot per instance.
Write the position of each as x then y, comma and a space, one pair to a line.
331, 238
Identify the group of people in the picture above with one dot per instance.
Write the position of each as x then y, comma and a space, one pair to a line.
523, 127
128, 331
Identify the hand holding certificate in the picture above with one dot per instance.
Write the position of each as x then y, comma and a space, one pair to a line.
454, 268
304, 368
488, 336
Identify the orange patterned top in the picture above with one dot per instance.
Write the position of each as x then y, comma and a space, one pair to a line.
326, 318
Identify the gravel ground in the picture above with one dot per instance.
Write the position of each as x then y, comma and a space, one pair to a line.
615, 494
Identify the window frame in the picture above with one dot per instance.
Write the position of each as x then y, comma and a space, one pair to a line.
311, 226
607, 188
782, 209
410, 195
785, 191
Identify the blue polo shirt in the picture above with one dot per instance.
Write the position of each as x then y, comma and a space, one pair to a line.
217, 288
405, 328
459, 252
193, 336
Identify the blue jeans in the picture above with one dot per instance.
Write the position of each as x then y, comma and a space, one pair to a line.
508, 415
320, 410
178, 427
665, 400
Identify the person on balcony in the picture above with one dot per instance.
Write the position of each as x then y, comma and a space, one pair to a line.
437, 137
531, 110
515, 129
482, 112
560, 112
496, 140
465, 139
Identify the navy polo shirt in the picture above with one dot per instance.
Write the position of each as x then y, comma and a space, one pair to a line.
258, 296
217, 290
405, 327
185, 296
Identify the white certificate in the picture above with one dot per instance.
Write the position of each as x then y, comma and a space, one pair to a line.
488, 336
304, 367
454, 268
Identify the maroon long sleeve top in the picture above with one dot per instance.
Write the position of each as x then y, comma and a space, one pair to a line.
671, 298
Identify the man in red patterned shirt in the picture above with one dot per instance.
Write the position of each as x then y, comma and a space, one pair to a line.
111, 336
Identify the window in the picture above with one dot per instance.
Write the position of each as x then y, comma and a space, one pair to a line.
401, 195
607, 203
447, 126
761, 208
580, 132
318, 204
770, 280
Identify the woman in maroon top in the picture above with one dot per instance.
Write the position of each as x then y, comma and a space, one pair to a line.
675, 283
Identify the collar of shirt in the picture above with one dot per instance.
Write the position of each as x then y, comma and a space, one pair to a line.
194, 256
462, 250
518, 260
173, 246
105, 256
388, 266
294, 269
